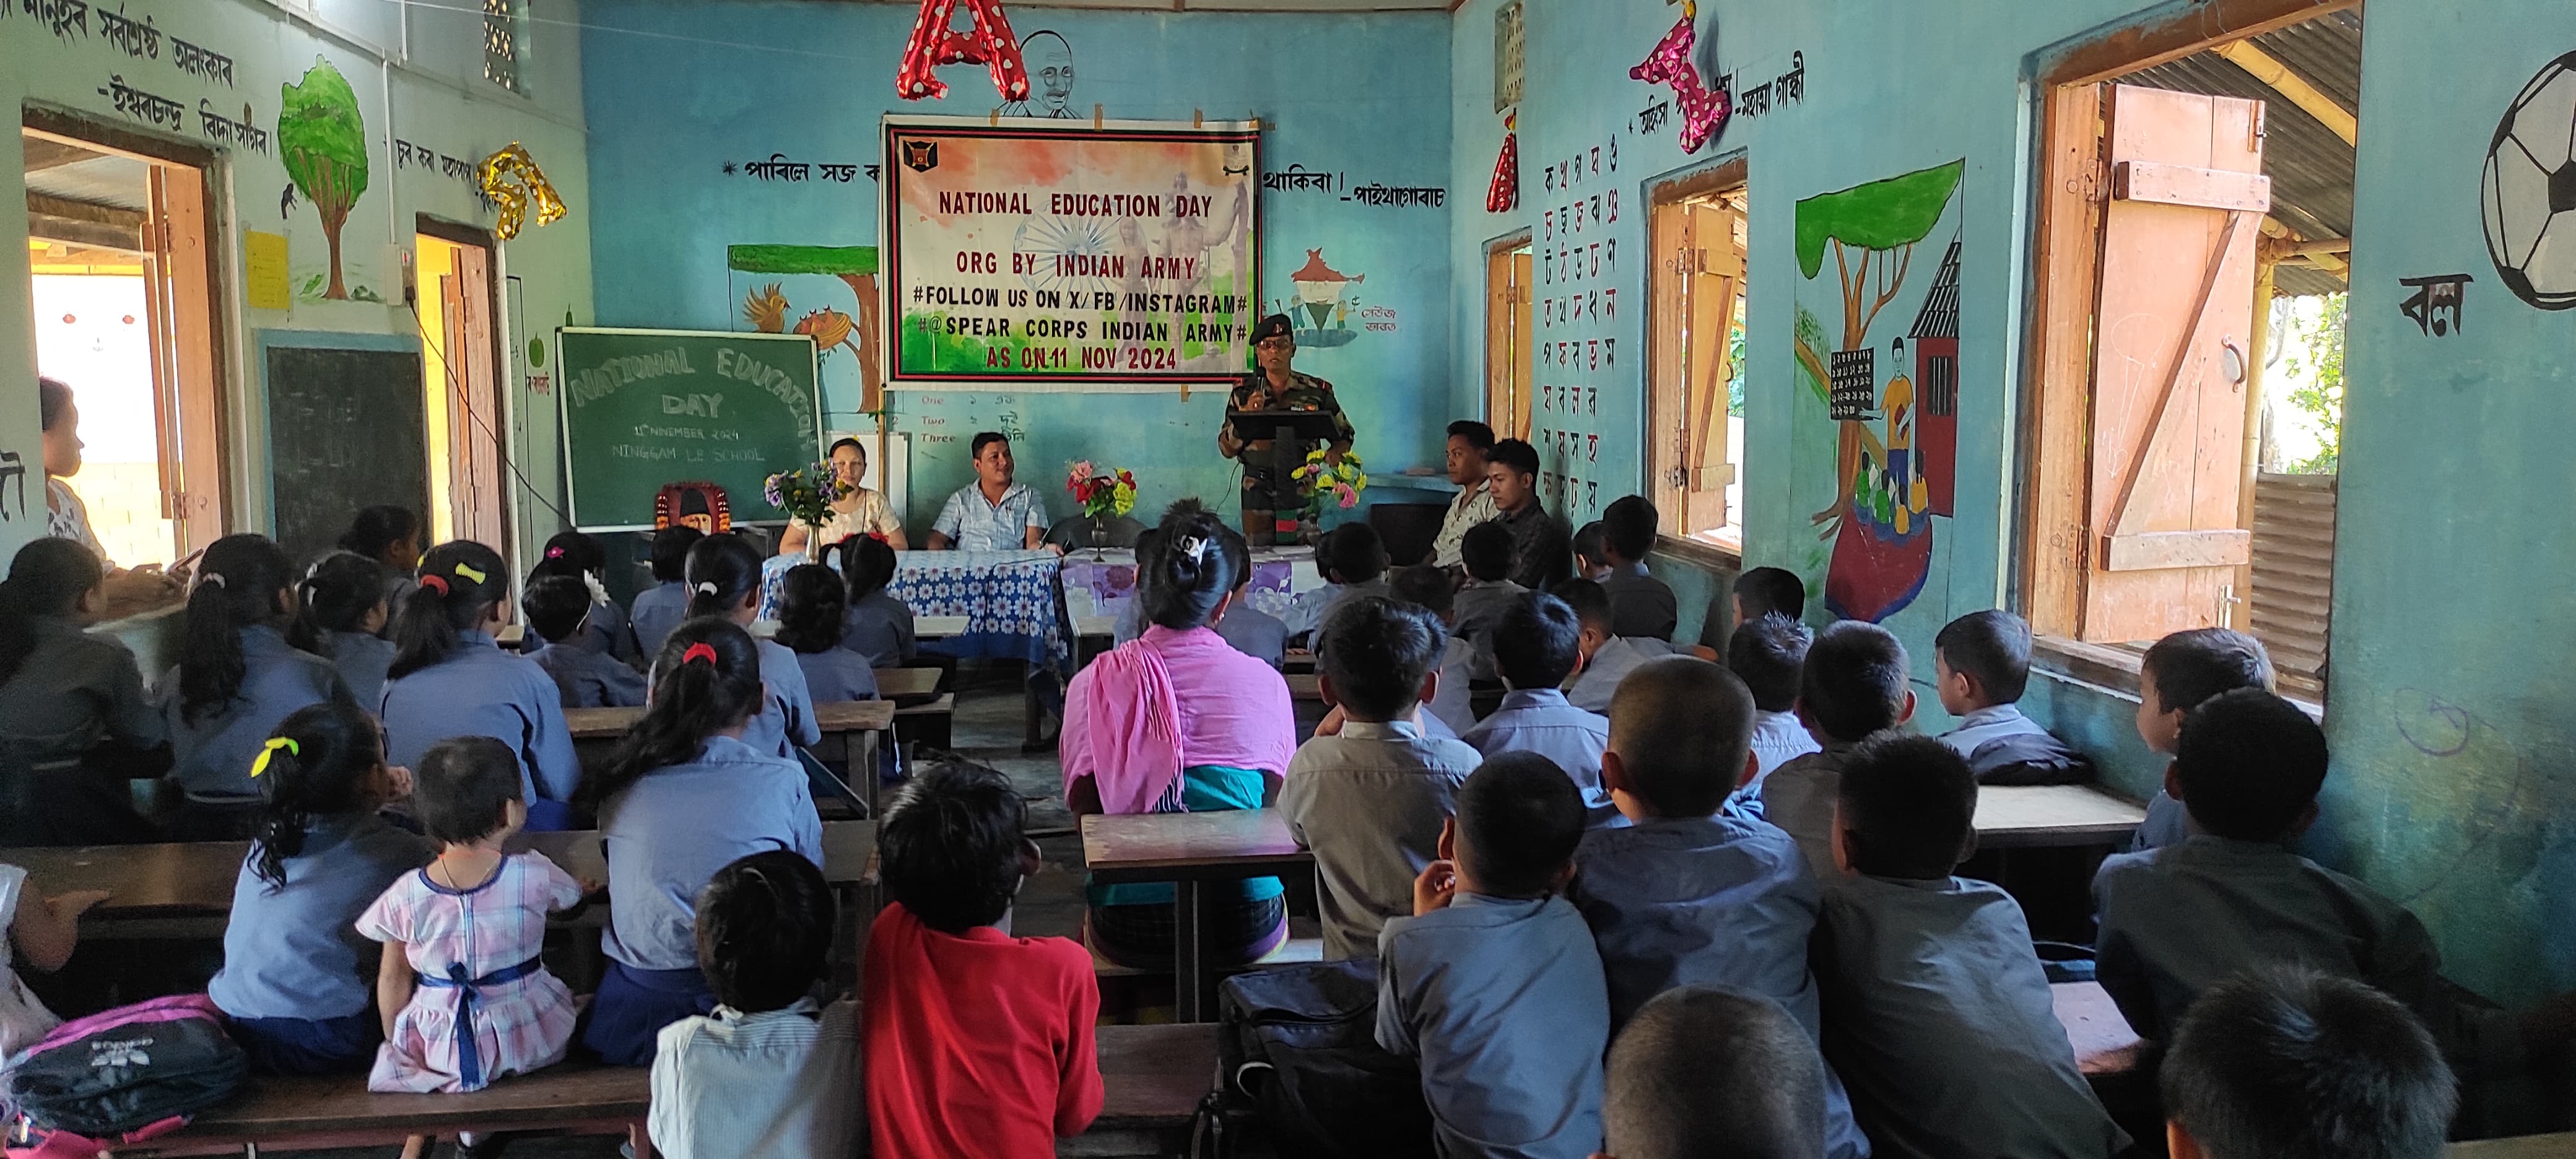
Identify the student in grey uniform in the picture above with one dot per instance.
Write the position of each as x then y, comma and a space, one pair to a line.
876, 625
681, 798
1253, 632
1352, 561
1432, 590
1703, 1071
2233, 897
237, 678
1937, 1015
1697, 891
811, 603
557, 607
1608, 657
1981, 662
724, 580
576, 555
1487, 554
295, 983
1492, 982
1853, 684
1371, 799
1641, 606
340, 616
658, 609
1769, 655
2180, 673
450, 678
389, 535
2290, 1063
74, 724
1536, 646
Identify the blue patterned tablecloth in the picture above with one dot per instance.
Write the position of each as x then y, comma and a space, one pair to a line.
1101, 583
1010, 600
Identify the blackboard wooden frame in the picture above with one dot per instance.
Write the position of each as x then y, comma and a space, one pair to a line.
271, 344
564, 399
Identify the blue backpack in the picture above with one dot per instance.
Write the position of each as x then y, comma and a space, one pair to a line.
122, 1076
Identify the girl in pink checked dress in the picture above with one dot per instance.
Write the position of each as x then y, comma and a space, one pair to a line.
463, 994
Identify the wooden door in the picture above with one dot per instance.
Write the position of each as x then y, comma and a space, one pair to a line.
1670, 243
179, 304
2173, 320
1715, 295
474, 420
1508, 343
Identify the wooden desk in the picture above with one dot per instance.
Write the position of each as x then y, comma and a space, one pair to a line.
899, 682
2561, 1146
1190, 850
2034, 816
1305, 686
829, 715
179, 889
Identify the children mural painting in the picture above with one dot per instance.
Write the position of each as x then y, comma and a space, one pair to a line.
1888, 380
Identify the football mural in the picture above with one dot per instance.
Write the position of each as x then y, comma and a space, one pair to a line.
2529, 194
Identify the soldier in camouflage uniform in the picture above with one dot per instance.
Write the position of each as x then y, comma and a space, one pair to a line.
1270, 501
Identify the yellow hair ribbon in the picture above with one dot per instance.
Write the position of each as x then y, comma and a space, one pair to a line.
270, 749
467, 573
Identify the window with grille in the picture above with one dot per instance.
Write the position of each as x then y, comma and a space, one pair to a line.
503, 21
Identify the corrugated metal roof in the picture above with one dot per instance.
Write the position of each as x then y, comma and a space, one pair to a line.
2311, 168
1940, 315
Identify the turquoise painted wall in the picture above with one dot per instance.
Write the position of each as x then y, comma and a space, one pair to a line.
690, 87
2452, 779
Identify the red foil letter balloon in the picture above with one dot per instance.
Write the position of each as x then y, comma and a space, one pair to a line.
1704, 110
935, 42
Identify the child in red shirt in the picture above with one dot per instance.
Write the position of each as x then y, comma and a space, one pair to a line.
976, 1043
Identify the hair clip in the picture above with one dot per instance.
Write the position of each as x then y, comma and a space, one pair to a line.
435, 582
706, 588
211, 577
1192, 546
270, 749
699, 651
554, 553
468, 574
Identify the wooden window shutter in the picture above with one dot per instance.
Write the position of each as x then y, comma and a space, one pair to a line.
2173, 317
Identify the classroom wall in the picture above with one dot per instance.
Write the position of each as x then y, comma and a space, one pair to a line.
2451, 782
417, 74
680, 90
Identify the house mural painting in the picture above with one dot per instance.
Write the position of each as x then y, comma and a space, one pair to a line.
1892, 413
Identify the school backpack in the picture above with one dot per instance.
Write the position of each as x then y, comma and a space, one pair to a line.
123, 1076
1299, 1044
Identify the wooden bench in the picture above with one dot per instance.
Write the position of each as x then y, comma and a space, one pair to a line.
1305, 685
185, 889
1153, 1078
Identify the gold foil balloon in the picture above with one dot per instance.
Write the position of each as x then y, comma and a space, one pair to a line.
495, 174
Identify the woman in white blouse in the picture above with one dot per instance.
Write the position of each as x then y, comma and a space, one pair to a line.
862, 512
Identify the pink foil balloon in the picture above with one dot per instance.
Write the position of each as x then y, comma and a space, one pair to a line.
1704, 110
934, 43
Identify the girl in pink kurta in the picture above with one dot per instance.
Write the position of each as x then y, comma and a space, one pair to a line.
464, 995
1177, 720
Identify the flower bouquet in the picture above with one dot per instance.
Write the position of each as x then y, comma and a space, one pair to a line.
1101, 491
1341, 482
807, 494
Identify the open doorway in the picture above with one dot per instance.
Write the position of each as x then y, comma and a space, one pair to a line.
123, 286
1695, 412
460, 363
2196, 233
1509, 341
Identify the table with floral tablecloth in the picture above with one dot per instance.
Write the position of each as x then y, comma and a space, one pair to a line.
1009, 600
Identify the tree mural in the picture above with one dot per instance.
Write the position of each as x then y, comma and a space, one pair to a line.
1878, 519
323, 141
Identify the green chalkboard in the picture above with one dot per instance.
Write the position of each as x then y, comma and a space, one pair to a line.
644, 408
